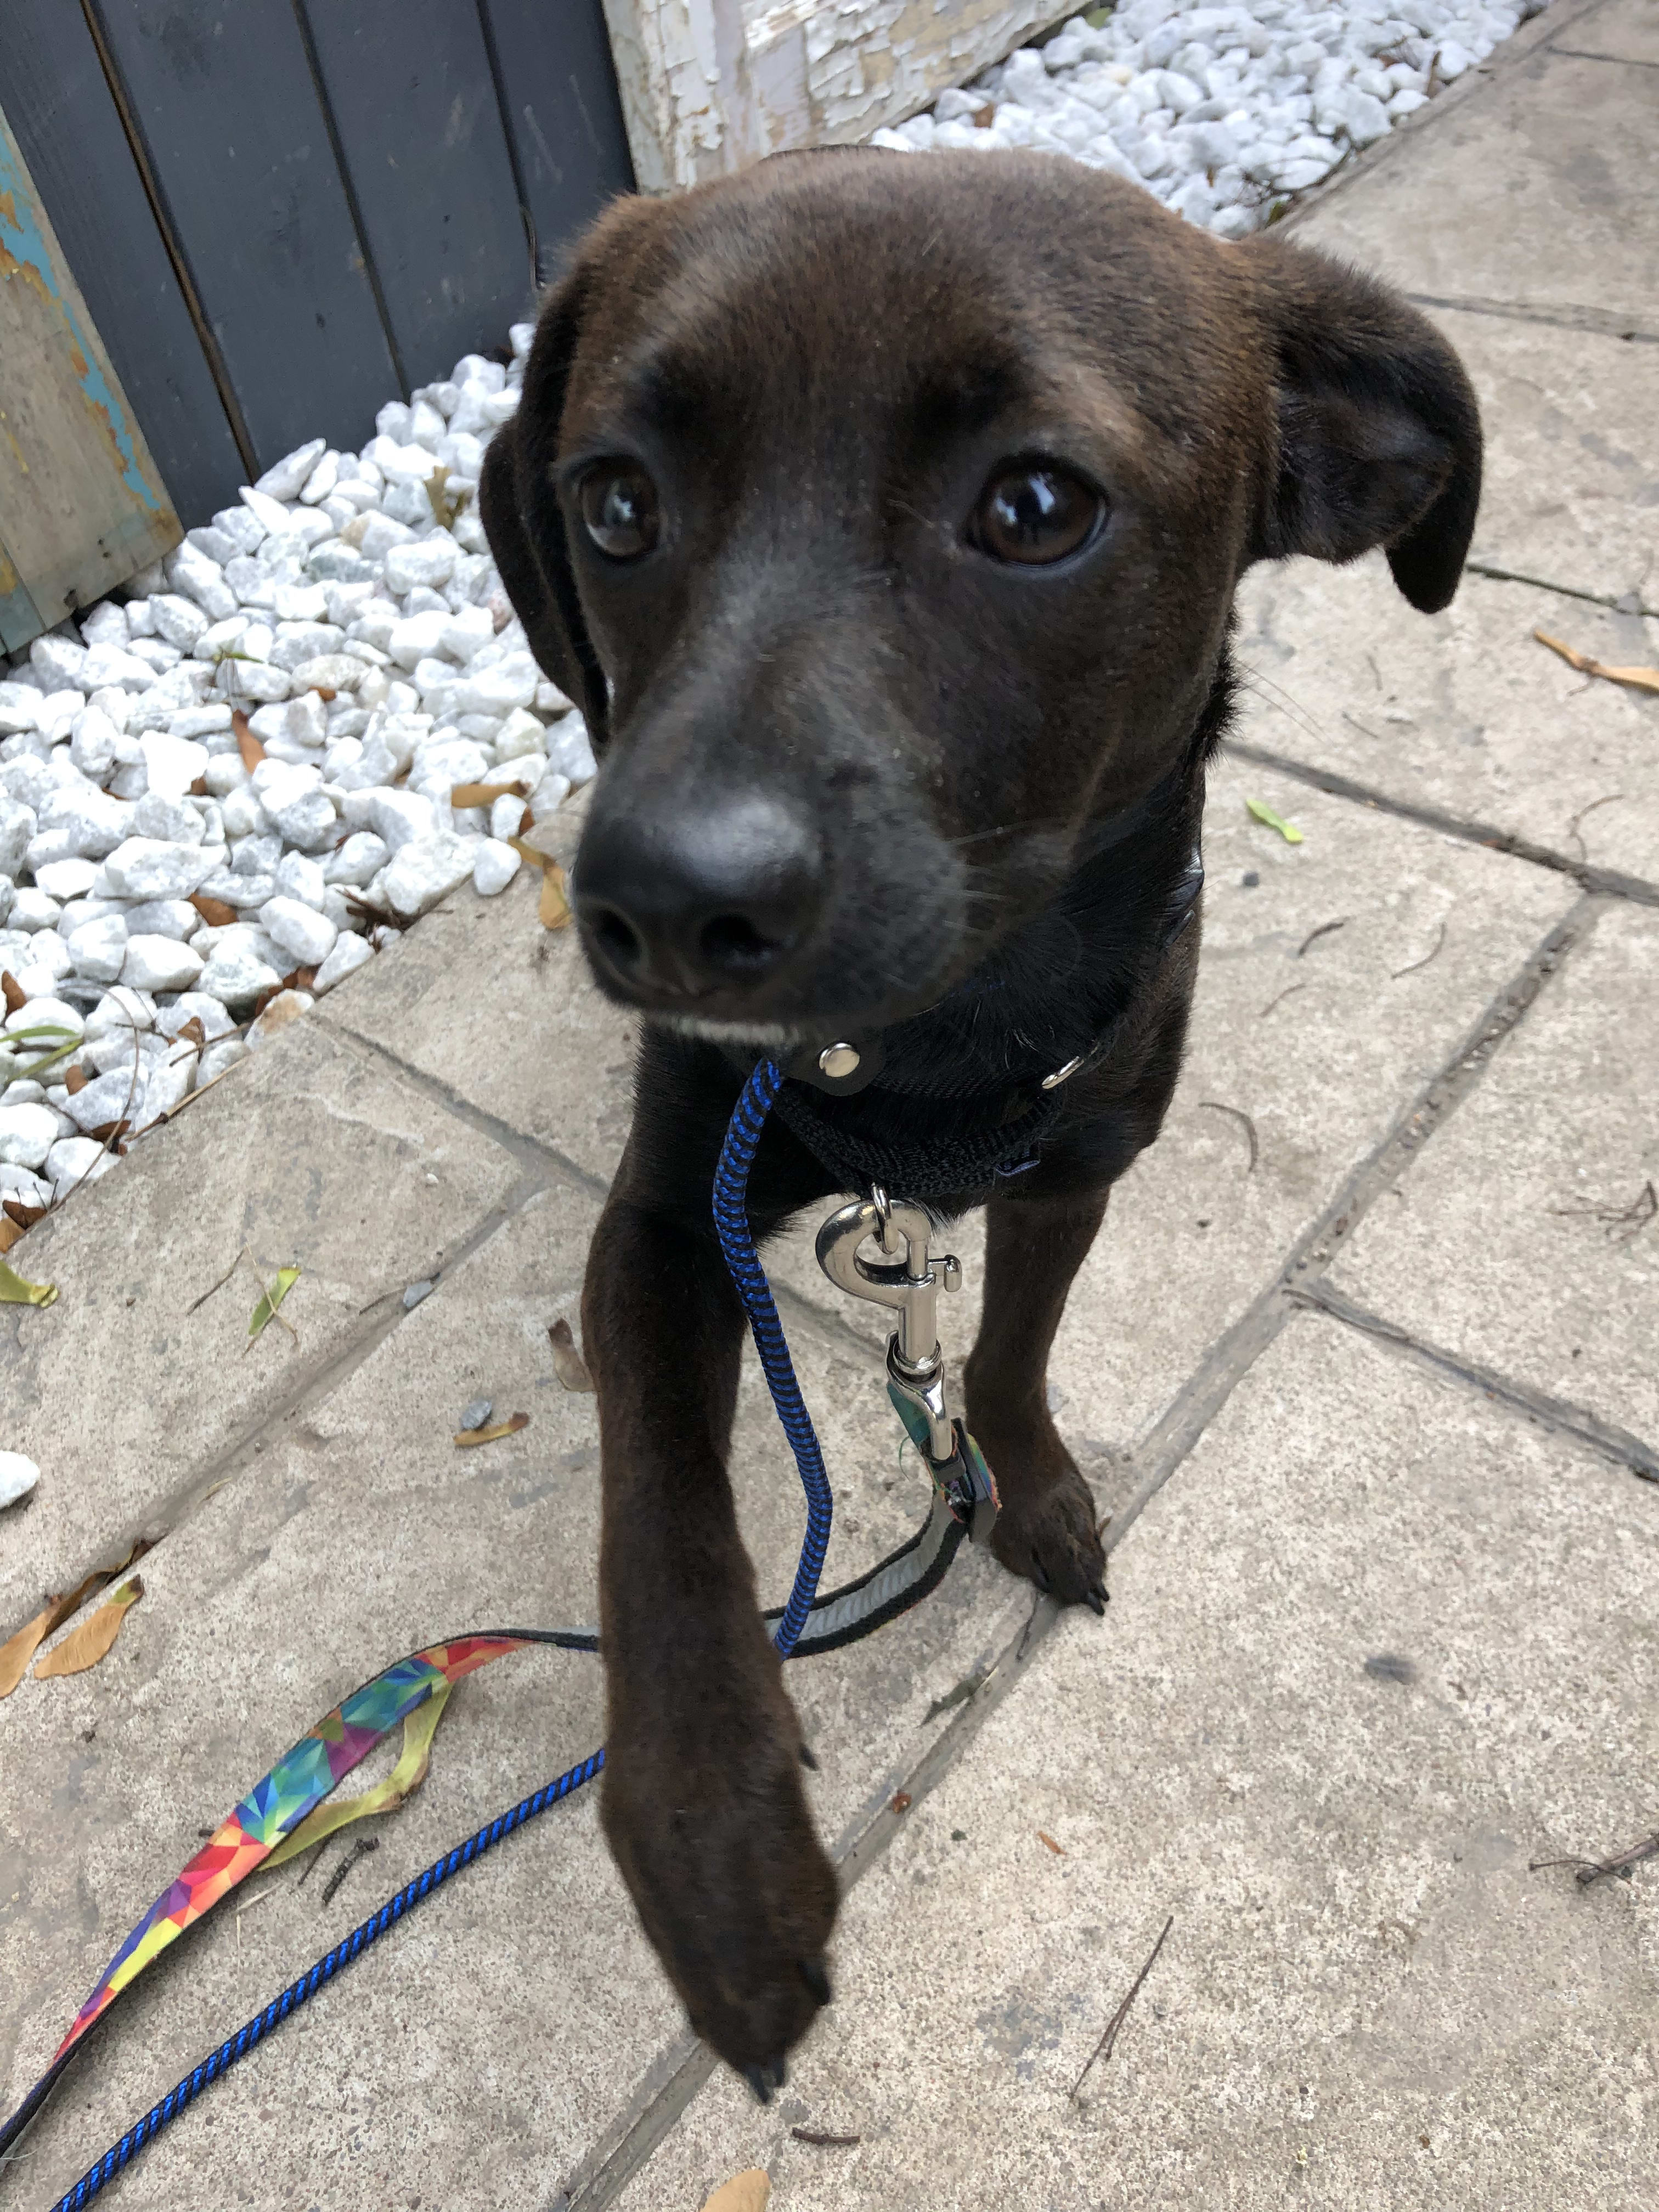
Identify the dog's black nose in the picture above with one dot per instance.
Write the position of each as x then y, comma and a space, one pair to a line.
709, 899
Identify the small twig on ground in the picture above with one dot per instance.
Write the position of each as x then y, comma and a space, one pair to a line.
1631, 1220
822, 2135
1572, 826
1108, 2042
222, 1280
1622, 1864
248, 1904
313, 1861
359, 1849
1288, 991
1237, 1114
1411, 969
1325, 929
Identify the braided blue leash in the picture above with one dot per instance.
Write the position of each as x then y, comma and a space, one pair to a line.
731, 1221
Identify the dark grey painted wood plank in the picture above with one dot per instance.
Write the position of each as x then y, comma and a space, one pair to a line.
414, 106
223, 95
559, 91
66, 122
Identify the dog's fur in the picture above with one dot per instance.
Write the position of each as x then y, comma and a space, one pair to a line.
819, 363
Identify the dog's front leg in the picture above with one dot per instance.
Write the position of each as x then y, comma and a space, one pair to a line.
1046, 1530
703, 1804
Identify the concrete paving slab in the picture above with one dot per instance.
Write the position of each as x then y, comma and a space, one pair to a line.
1523, 194
1570, 491
504, 1014
1333, 1774
363, 1534
1619, 31
1525, 1237
1464, 711
1320, 1039
313, 1152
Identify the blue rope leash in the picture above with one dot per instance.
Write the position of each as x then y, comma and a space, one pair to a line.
732, 1221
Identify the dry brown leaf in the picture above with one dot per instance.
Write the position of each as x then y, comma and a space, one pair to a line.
1638, 679
23, 1216
489, 1434
554, 907
900, 1801
247, 744
74, 1079
1043, 1836
218, 914
567, 1363
192, 1032
85, 1646
9, 1232
744, 2192
198, 789
15, 1654
485, 794
12, 991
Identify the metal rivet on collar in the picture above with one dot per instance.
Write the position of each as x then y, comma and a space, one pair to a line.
1053, 1082
838, 1060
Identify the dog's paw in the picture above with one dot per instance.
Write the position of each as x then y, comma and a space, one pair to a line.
1047, 1530
709, 1823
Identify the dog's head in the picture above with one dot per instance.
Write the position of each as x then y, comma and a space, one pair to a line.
884, 516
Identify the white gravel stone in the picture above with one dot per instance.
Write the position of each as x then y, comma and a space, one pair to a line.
28, 1134
422, 871
235, 974
289, 477
98, 948
300, 930
66, 879
193, 576
33, 909
286, 1006
494, 867
218, 1057
348, 954
146, 868
359, 860
18, 1476
160, 963
168, 917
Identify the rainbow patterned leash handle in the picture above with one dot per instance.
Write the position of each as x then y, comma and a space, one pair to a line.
274, 1807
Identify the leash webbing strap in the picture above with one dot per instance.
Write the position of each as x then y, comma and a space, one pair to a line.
311, 1769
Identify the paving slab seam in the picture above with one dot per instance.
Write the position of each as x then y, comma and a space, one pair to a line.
675, 2080
172, 1512
1558, 1415
1614, 61
1621, 603
1595, 320
1606, 883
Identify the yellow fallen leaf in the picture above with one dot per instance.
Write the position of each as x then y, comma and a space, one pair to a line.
247, 744
10, 1231
554, 909
85, 1646
744, 2192
1639, 679
15, 1291
405, 1778
18, 1650
1264, 814
485, 794
488, 1435
286, 1278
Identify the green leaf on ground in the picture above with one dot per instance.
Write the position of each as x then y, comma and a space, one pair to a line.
1263, 812
286, 1278
15, 1291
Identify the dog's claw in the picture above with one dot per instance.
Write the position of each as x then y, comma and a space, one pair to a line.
756, 2077
817, 1978
1040, 1575
1096, 1596
808, 1758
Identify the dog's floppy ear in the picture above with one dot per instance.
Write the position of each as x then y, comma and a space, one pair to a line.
1378, 435
522, 516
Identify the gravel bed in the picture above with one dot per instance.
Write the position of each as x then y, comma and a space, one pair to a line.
347, 608
1223, 112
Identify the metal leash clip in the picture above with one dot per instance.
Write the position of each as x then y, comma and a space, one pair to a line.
908, 1277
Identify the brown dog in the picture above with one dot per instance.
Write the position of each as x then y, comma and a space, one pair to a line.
884, 516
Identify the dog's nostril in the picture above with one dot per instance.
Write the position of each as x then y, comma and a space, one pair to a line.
617, 939
731, 943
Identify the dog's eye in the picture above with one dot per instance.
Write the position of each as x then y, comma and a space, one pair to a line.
619, 507
1033, 511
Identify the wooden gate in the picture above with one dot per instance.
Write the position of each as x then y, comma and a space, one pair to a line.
283, 213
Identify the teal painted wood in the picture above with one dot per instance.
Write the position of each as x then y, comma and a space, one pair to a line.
71, 133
